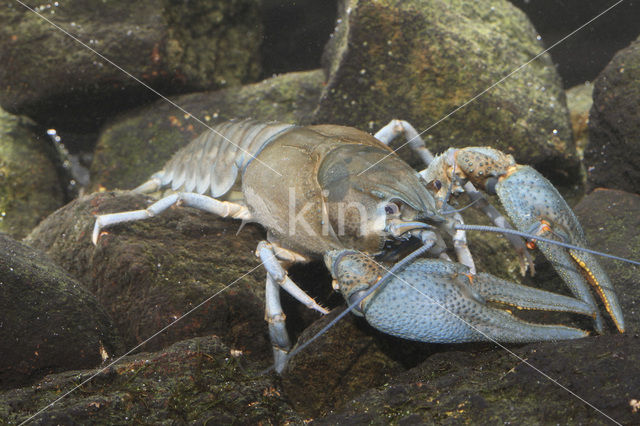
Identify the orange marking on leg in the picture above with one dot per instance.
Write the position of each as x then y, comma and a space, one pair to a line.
510, 170
591, 279
544, 226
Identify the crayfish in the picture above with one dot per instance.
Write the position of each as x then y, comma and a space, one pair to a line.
334, 192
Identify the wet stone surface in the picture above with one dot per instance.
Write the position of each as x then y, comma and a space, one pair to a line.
611, 158
148, 274
196, 380
401, 59
48, 321
495, 386
165, 44
29, 184
579, 101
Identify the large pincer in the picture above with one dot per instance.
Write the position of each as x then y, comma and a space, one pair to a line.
439, 301
535, 206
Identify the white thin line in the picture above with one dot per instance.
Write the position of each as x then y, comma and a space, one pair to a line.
145, 85
552, 380
46, 407
495, 84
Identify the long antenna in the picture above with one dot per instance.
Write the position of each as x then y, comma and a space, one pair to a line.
499, 230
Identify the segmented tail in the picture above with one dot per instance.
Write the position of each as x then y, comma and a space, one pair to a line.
210, 162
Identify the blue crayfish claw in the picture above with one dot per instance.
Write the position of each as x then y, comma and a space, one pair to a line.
535, 206
439, 301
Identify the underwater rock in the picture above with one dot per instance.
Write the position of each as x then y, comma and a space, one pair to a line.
420, 61
194, 381
295, 33
612, 157
48, 321
585, 53
174, 47
149, 273
495, 386
579, 101
138, 144
343, 363
30, 187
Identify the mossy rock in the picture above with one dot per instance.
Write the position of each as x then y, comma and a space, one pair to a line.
455, 72
48, 321
612, 157
174, 47
498, 386
149, 273
579, 101
193, 381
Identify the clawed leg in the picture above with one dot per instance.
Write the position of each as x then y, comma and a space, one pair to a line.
189, 199
535, 206
400, 127
439, 301
271, 255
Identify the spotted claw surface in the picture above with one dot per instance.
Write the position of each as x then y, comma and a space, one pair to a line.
439, 301
535, 206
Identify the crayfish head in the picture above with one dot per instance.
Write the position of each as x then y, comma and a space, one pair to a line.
364, 188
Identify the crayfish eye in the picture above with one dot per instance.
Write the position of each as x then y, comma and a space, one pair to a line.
436, 184
392, 209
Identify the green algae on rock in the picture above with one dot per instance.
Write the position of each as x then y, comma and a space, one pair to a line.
174, 47
420, 62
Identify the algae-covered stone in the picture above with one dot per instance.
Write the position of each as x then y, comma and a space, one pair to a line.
195, 381
172, 46
140, 142
456, 72
150, 273
612, 157
344, 362
30, 187
48, 321
579, 101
